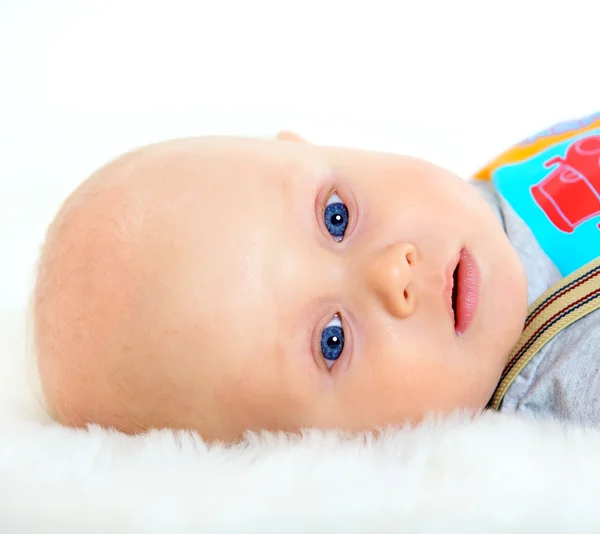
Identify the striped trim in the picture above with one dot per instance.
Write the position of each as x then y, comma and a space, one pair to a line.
573, 297
556, 294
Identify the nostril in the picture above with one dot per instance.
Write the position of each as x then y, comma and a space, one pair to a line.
405, 294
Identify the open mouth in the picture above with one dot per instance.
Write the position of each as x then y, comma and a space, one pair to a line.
462, 290
455, 281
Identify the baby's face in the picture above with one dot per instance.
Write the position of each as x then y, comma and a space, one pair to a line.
291, 285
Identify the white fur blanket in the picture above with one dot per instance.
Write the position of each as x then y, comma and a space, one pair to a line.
494, 474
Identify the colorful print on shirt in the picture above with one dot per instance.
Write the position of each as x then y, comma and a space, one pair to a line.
552, 181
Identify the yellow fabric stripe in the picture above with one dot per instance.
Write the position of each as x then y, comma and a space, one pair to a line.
523, 151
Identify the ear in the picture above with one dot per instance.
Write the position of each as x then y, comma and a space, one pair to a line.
286, 135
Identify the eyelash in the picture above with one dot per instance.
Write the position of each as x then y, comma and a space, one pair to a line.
336, 333
346, 198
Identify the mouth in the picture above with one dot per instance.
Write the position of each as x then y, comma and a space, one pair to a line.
462, 291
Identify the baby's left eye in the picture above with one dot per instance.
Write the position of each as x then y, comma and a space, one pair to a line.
336, 217
332, 341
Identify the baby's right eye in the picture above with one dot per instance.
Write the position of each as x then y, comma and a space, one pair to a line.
332, 341
336, 217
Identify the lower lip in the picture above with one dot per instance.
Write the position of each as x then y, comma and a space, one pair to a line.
468, 292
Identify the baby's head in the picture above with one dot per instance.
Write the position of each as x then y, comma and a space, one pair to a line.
225, 284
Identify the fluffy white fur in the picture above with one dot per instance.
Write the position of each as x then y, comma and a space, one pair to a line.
493, 474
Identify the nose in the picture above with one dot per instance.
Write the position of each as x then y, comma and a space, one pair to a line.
389, 276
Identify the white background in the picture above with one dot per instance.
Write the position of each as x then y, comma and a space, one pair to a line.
454, 81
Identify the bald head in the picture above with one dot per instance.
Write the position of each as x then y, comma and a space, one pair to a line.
103, 315
128, 303
84, 293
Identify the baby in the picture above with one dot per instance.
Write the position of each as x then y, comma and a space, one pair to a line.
224, 284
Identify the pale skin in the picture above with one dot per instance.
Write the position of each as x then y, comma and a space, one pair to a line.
188, 285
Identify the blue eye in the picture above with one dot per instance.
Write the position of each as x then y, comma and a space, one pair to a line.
336, 217
332, 341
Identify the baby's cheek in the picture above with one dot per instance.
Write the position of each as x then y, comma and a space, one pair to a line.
376, 388
433, 376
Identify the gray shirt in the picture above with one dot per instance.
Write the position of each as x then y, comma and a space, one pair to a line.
563, 379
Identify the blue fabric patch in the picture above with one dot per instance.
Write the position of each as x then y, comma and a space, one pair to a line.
557, 194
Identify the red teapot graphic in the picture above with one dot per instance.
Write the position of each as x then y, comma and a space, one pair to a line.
570, 194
